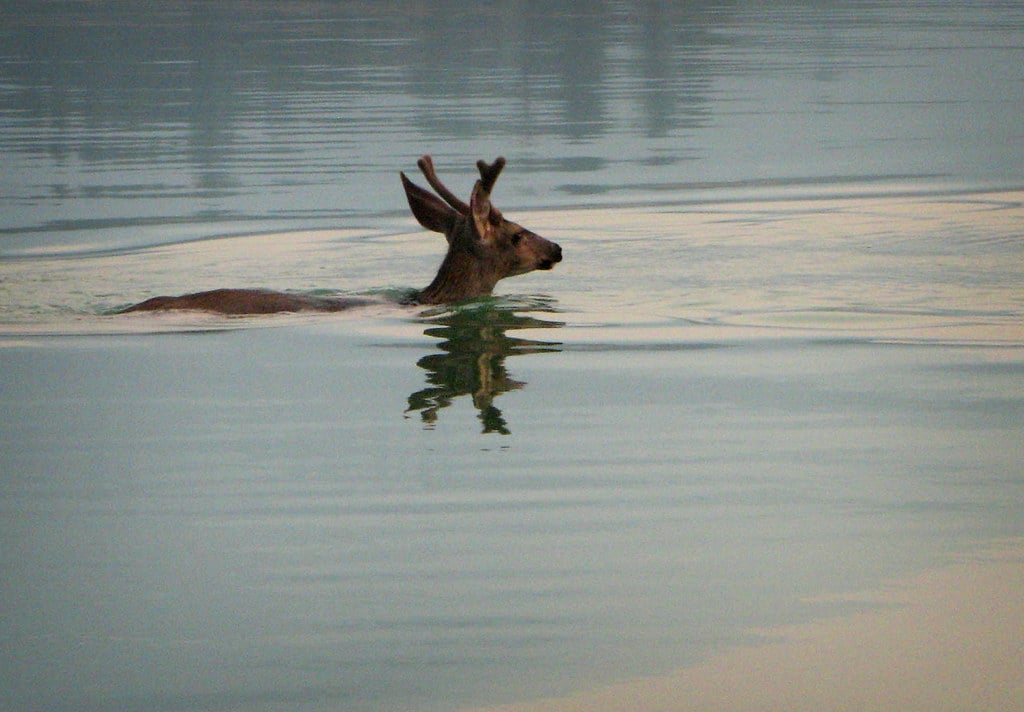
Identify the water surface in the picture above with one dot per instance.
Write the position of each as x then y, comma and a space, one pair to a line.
784, 355
130, 124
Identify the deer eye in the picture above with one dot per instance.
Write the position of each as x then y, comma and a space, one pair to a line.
518, 237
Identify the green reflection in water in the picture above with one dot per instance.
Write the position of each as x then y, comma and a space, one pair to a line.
473, 348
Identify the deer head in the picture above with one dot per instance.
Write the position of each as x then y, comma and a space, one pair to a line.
483, 246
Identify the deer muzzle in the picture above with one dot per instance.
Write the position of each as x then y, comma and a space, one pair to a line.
553, 257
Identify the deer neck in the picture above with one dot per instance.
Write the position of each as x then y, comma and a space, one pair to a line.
462, 276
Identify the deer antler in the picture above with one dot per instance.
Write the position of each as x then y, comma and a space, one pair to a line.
427, 166
489, 173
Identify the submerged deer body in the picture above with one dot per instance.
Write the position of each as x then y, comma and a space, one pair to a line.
483, 247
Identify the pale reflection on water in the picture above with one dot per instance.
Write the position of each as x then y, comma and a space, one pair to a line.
245, 519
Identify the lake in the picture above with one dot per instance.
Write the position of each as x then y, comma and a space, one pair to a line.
782, 360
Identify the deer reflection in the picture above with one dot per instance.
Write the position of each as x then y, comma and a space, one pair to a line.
472, 360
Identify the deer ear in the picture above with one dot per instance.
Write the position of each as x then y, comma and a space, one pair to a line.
480, 207
427, 208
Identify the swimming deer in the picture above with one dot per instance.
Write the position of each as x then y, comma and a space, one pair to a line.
483, 247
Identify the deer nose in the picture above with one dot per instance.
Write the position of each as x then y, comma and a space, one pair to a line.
554, 256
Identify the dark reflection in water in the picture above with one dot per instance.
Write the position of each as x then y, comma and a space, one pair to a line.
474, 345
133, 118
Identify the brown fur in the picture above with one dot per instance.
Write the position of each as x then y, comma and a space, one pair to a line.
247, 301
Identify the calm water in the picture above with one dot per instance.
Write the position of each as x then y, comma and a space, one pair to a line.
784, 354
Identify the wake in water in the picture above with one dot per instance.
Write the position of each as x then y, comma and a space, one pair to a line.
927, 268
